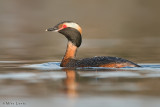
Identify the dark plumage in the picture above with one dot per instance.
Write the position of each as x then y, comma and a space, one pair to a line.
100, 61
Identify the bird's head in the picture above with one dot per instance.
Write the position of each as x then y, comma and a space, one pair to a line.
71, 30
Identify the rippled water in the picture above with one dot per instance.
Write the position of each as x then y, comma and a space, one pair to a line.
31, 84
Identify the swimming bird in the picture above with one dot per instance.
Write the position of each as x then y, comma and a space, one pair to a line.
72, 31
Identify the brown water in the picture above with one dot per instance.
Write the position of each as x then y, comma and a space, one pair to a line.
127, 29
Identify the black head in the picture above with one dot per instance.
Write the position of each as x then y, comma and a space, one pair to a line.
72, 31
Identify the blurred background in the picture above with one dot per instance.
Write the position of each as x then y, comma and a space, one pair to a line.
123, 28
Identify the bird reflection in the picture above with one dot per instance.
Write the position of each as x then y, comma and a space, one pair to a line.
70, 83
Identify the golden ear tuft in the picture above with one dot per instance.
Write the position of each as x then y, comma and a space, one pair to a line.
74, 25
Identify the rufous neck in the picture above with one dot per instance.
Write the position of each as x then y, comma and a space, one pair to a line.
71, 51
70, 54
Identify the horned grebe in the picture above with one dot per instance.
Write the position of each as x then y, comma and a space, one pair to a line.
72, 31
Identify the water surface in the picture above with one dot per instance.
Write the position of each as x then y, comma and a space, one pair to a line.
37, 85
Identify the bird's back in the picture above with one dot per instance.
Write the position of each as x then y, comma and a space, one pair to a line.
114, 62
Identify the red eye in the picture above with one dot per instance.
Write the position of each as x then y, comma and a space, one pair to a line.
64, 26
